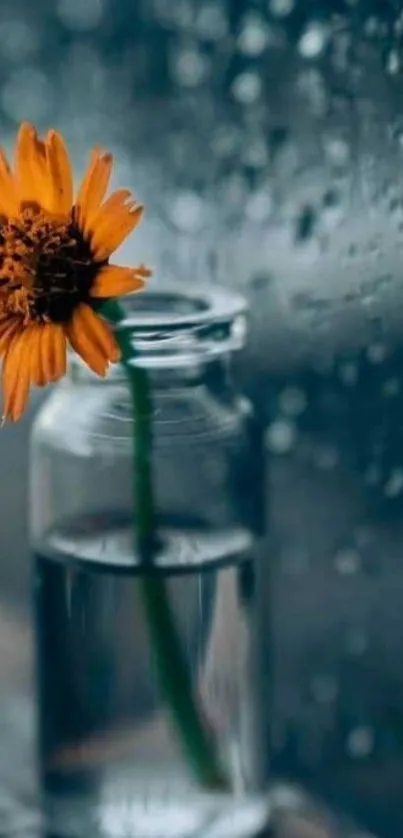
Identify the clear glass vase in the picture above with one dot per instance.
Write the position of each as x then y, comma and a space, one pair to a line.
111, 761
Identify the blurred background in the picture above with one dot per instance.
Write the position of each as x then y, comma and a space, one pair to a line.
266, 139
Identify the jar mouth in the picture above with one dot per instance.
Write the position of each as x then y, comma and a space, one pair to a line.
173, 324
172, 307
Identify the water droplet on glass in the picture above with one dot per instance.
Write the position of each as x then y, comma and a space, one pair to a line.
189, 67
341, 50
396, 132
187, 212
225, 141
374, 247
281, 8
348, 373
360, 742
368, 300
255, 154
211, 22
292, 401
392, 62
347, 562
277, 140
313, 88
394, 485
324, 688
364, 536
305, 224
281, 436
374, 27
372, 475
356, 641
234, 195
396, 213
304, 302
19, 40
337, 152
81, 15
182, 14
246, 88
252, 39
376, 353
260, 282
259, 206
313, 40
352, 251
391, 387
326, 457
332, 212
27, 94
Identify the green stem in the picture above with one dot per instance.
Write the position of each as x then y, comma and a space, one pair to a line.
171, 667
143, 443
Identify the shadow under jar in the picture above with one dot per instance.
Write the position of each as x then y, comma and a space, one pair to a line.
111, 763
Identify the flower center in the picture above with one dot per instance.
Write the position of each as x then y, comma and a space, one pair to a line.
46, 267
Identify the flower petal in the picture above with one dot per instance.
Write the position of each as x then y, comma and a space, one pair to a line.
113, 281
94, 186
23, 156
37, 371
9, 204
110, 234
81, 199
16, 376
51, 353
92, 339
60, 172
32, 175
41, 173
8, 328
107, 211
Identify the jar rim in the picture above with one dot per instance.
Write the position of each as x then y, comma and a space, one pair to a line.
174, 327
169, 307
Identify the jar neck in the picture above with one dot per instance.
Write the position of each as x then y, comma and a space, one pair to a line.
214, 373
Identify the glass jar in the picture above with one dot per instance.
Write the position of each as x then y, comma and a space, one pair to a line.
110, 761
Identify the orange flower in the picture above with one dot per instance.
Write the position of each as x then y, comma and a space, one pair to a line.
54, 263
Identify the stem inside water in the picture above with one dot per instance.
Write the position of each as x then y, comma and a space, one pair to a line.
171, 667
